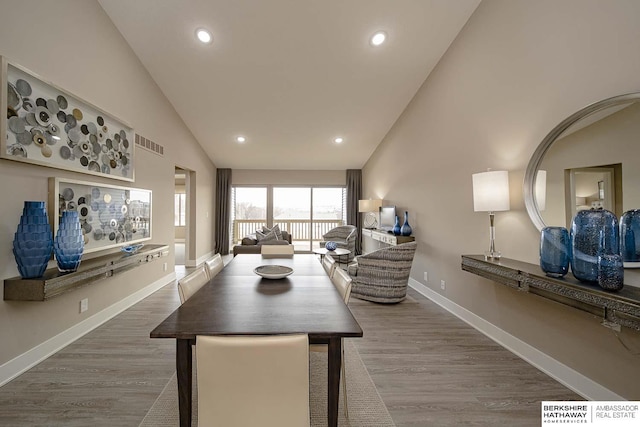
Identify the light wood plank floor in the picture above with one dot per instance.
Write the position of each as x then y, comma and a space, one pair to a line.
430, 368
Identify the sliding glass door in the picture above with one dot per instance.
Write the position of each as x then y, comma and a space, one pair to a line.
292, 211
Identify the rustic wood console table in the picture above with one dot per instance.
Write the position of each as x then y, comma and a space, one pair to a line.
54, 283
621, 308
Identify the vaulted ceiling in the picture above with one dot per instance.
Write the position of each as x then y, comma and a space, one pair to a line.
289, 75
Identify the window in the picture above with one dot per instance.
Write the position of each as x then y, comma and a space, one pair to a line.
180, 210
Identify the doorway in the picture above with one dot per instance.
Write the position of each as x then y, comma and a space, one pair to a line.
181, 216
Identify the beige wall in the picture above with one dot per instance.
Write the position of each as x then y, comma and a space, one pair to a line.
287, 177
516, 70
76, 46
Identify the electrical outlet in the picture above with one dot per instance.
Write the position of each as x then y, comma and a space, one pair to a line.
426, 276
84, 305
442, 285
164, 267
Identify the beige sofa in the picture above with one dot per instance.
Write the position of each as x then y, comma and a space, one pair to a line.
250, 244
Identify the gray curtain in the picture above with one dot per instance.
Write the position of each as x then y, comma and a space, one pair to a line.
354, 194
223, 210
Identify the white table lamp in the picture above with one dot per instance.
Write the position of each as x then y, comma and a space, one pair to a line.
370, 208
491, 194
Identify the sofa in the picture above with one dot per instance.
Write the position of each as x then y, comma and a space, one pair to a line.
251, 245
383, 275
345, 237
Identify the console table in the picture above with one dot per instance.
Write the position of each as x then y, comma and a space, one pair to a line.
621, 308
376, 239
54, 283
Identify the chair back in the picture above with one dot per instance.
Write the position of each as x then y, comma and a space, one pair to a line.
275, 251
342, 281
329, 265
214, 266
190, 284
253, 380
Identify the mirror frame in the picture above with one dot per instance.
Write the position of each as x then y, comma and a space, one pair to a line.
538, 155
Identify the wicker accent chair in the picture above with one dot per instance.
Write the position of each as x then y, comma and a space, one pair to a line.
345, 237
383, 275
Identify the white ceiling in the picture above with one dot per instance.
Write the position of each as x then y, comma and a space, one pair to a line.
289, 75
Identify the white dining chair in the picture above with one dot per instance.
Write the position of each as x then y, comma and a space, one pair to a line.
342, 282
214, 266
329, 265
190, 284
253, 380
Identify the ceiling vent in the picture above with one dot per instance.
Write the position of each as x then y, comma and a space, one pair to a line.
149, 145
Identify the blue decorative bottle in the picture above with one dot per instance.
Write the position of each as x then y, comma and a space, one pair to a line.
396, 228
610, 272
33, 241
593, 233
69, 243
406, 228
555, 251
629, 244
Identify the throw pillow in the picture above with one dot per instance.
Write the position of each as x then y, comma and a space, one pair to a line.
265, 237
275, 229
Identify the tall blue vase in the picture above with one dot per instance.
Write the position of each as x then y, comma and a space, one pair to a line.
406, 228
33, 241
593, 233
397, 230
69, 243
555, 251
630, 237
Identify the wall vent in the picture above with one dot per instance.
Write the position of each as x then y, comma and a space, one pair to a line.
149, 145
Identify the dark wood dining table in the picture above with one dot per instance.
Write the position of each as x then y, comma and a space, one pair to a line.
239, 302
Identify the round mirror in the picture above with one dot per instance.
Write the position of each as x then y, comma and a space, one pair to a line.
589, 160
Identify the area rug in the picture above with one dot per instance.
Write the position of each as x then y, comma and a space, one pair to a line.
366, 408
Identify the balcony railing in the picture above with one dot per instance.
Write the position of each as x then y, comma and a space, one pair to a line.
300, 229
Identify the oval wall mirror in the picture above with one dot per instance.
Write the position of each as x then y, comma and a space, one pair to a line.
590, 160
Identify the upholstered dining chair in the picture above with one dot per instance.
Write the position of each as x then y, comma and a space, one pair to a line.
190, 284
214, 266
345, 237
342, 281
275, 251
329, 265
253, 380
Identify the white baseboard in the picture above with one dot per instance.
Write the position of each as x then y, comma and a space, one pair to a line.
572, 379
37, 354
203, 258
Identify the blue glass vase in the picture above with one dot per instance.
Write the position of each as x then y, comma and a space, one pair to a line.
610, 272
629, 229
406, 228
69, 243
555, 251
397, 230
33, 241
593, 233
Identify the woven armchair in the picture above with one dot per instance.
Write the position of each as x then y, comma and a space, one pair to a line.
383, 275
345, 238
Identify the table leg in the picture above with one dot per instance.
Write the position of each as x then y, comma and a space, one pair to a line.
185, 380
335, 362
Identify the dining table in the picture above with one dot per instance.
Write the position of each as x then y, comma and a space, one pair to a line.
237, 301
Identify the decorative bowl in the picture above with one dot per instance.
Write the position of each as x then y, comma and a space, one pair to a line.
132, 249
273, 271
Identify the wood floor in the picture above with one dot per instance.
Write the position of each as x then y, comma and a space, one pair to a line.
430, 368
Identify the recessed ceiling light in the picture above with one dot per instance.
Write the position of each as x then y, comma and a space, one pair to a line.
338, 140
203, 35
240, 139
378, 38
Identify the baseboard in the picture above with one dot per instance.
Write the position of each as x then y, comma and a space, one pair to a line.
203, 258
37, 354
570, 378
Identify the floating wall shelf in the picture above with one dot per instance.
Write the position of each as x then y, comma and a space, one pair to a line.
54, 283
621, 308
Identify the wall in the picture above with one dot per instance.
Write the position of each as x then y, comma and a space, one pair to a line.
73, 44
517, 69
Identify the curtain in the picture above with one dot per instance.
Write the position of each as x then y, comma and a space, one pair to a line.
223, 210
354, 194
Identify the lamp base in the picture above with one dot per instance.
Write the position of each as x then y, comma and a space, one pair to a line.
370, 221
492, 255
